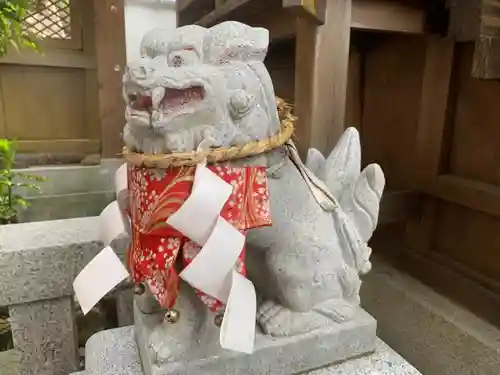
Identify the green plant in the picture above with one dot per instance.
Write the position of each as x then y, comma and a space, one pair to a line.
11, 182
12, 33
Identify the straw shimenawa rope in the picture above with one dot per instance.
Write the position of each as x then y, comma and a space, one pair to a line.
216, 155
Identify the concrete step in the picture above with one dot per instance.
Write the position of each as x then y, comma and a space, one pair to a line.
75, 178
66, 206
70, 191
434, 334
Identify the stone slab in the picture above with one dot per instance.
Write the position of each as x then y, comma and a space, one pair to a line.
272, 355
115, 352
41, 260
44, 335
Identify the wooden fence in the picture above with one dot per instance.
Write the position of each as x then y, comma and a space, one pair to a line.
67, 100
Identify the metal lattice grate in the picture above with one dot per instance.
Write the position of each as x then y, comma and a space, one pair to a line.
49, 19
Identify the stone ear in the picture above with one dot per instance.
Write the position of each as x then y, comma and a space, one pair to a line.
189, 36
240, 103
235, 41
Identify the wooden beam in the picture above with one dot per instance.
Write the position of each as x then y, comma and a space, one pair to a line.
465, 19
385, 15
238, 10
182, 5
281, 25
321, 73
189, 11
111, 60
60, 146
56, 58
473, 194
374, 15
314, 10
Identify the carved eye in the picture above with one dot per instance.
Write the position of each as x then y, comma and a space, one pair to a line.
177, 61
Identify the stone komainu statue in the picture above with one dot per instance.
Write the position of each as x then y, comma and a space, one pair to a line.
210, 88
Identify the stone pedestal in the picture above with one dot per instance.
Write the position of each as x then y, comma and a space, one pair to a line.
191, 347
115, 352
282, 355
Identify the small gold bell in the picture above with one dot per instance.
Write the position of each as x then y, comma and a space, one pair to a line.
172, 316
139, 289
218, 320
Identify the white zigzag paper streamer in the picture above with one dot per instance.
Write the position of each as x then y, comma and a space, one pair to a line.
212, 270
106, 270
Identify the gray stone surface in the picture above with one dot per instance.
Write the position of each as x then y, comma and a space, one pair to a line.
192, 347
436, 335
124, 307
9, 362
40, 260
66, 206
44, 335
115, 352
70, 191
72, 179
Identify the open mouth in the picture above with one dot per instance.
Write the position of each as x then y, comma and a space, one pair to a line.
172, 99
141, 102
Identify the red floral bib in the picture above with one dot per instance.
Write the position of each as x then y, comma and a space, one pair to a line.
155, 194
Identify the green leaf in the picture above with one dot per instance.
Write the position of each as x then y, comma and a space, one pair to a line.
18, 200
7, 183
11, 181
12, 35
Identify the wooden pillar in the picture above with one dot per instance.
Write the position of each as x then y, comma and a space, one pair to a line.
322, 60
111, 60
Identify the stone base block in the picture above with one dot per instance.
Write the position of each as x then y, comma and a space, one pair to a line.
115, 352
279, 355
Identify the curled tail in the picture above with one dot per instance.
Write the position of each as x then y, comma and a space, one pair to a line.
358, 195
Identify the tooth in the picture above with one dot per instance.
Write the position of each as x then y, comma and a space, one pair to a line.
157, 95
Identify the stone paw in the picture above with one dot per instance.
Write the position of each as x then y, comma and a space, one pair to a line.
338, 311
163, 349
277, 320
